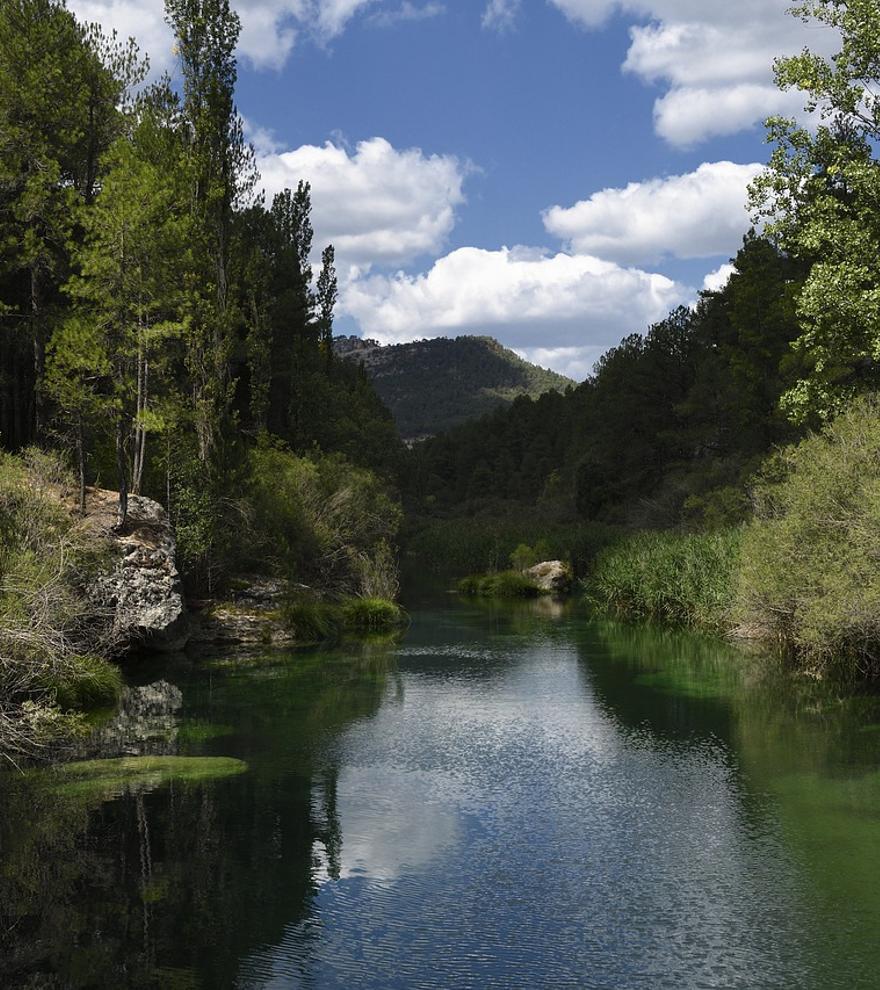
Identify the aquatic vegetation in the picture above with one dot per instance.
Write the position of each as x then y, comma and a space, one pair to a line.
111, 778
504, 584
686, 579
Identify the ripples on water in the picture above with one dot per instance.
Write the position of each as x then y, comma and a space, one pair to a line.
503, 800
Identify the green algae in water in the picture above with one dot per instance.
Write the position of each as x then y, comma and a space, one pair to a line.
199, 731
112, 778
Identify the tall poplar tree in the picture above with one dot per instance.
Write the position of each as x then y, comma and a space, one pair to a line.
221, 175
325, 298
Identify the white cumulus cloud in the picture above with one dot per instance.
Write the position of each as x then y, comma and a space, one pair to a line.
566, 305
715, 281
714, 58
269, 28
376, 204
697, 215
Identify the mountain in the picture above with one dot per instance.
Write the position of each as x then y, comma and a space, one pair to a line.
432, 385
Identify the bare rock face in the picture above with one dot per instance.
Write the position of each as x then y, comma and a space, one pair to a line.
553, 577
143, 587
251, 615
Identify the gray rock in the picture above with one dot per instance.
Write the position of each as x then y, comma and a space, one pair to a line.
143, 587
553, 577
251, 615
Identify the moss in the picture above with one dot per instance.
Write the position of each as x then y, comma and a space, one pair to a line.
199, 731
111, 778
504, 584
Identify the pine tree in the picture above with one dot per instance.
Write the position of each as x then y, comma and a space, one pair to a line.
61, 85
135, 236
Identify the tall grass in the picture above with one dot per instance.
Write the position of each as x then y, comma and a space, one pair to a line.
372, 614
686, 579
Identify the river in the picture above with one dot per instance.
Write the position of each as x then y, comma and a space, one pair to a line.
515, 796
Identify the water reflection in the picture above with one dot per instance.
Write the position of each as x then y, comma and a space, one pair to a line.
512, 797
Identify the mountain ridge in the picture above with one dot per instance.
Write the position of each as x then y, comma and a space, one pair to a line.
433, 385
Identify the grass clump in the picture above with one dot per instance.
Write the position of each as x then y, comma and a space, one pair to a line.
85, 682
312, 622
686, 579
810, 571
504, 584
372, 614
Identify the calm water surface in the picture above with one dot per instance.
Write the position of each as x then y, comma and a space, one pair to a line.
506, 797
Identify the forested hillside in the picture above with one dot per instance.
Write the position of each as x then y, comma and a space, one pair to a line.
670, 425
433, 385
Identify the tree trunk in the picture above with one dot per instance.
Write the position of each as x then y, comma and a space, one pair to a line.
81, 464
122, 470
39, 345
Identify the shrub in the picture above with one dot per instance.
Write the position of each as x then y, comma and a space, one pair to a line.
51, 634
504, 584
320, 520
524, 556
810, 570
681, 578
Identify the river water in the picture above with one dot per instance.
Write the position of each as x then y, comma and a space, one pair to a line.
508, 796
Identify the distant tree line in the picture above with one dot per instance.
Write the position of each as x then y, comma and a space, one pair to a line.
673, 423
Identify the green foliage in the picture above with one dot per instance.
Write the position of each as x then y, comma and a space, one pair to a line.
311, 621
667, 421
480, 544
320, 520
433, 385
504, 584
809, 575
820, 195
84, 682
678, 578
372, 614
524, 556
51, 635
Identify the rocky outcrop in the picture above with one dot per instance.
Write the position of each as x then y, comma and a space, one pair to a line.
252, 614
142, 585
552, 577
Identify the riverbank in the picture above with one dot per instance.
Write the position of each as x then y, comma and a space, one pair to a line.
80, 594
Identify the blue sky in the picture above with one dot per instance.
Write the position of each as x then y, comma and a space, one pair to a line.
437, 135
